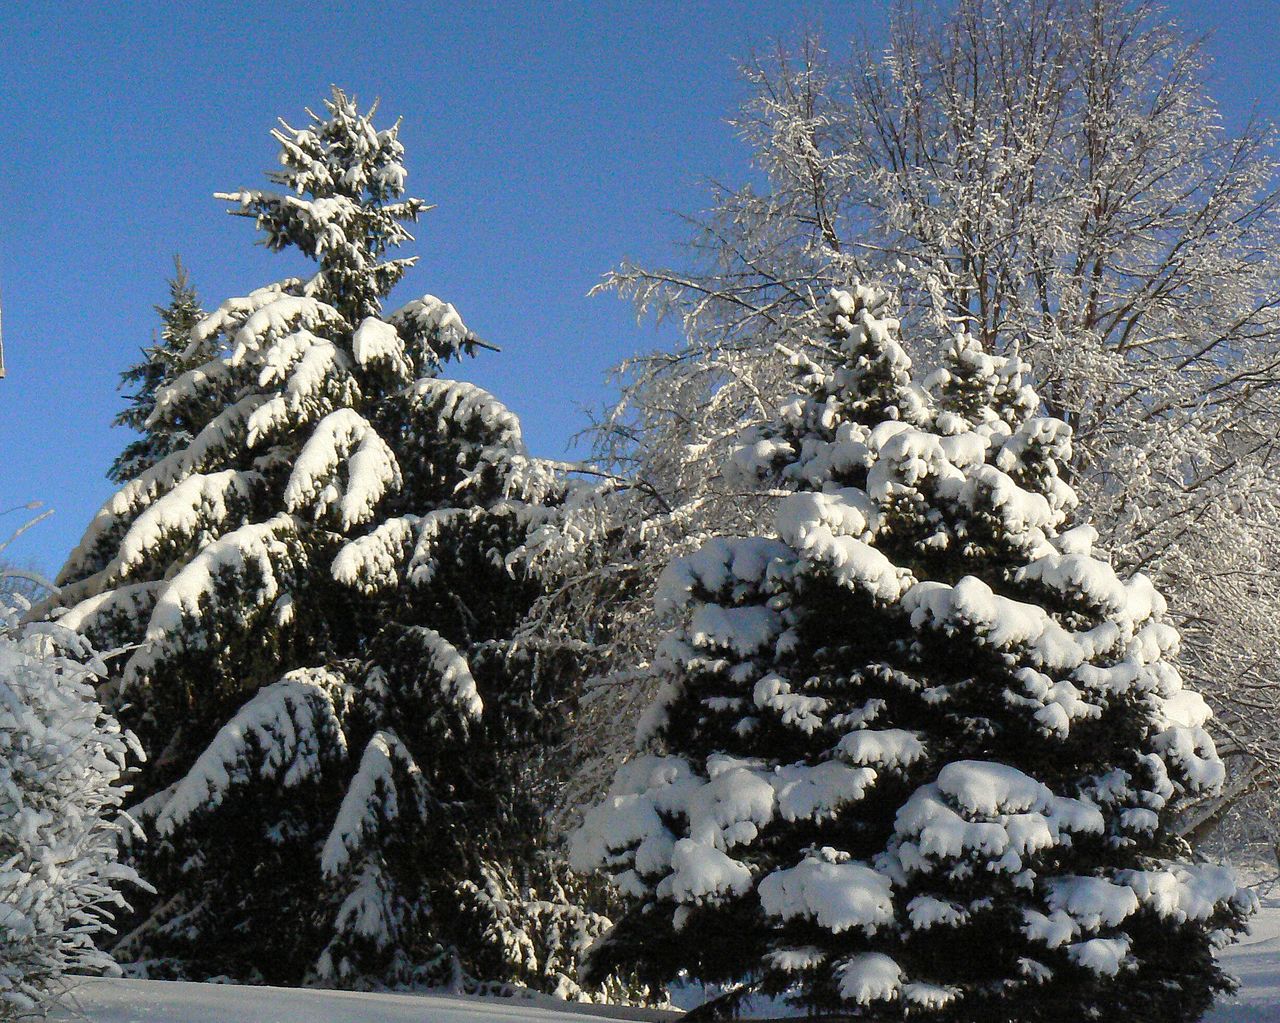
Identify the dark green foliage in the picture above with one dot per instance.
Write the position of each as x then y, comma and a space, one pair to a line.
918, 754
161, 363
324, 624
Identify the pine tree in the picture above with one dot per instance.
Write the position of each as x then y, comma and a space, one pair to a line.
161, 364
918, 753
326, 665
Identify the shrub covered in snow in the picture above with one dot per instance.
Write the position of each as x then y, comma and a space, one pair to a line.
345, 722
918, 752
61, 762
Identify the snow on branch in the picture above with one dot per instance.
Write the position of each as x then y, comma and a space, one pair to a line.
285, 315
342, 437
375, 561
461, 410
282, 734
190, 385
199, 504
433, 331
62, 762
415, 646
130, 604
218, 438
230, 315
372, 799
376, 343
258, 556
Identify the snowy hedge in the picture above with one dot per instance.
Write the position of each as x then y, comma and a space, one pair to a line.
62, 759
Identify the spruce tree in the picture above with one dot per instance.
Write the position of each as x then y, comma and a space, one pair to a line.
322, 623
161, 363
917, 754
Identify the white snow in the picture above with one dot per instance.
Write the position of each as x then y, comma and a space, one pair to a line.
773, 692
1057, 704
191, 592
376, 342
986, 808
1192, 750
223, 431
283, 315
374, 560
434, 527
284, 721
720, 563
971, 606
1076, 575
429, 315
703, 873
1024, 515
371, 798
234, 311
190, 384
63, 763
839, 896
931, 996
852, 563
742, 630
724, 810
451, 670
1183, 891
1101, 955
1093, 902
199, 503
301, 361
458, 405
150, 1001
870, 977
886, 747
367, 912
925, 911
985, 788
1255, 960
814, 792
134, 601
341, 437
844, 512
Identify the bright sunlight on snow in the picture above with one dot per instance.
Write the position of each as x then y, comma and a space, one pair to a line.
153, 1001
1255, 960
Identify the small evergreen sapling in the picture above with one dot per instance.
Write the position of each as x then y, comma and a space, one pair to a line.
345, 720
917, 753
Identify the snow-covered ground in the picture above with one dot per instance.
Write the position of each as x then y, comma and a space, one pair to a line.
153, 1001
1255, 960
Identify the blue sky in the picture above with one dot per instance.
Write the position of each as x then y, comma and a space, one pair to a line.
554, 138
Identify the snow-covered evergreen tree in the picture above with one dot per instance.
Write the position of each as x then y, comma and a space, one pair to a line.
161, 363
1054, 177
62, 760
346, 724
917, 753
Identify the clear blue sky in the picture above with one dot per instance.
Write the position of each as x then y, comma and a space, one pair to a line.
555, 138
